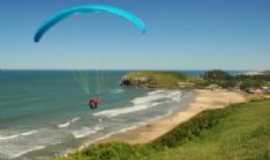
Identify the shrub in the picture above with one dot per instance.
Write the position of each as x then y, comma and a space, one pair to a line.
215, 75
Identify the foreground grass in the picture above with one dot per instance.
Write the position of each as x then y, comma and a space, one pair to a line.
239, 132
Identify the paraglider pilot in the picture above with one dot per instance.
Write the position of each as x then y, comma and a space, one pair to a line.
94, 102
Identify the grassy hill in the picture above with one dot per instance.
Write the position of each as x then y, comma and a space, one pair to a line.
239, 132
157, 79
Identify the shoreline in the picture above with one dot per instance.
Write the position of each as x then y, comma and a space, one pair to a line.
187, 98
202, 100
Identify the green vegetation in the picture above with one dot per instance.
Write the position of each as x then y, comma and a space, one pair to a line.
210, 79
217, 77
249, 83
243, 82
238, 132
214, 75
159, 75
156, 79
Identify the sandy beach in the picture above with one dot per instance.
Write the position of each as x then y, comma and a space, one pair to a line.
203, 100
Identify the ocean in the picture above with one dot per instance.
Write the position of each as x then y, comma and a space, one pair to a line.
45, 113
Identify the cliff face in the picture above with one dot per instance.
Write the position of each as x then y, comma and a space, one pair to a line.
138, 81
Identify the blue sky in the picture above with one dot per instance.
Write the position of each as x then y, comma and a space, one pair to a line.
181, 34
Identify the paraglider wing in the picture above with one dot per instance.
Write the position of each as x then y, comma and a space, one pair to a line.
49, 23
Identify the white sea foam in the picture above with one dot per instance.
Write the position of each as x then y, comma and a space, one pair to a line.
75, 119
158, 95
147, 99
116, 112
64, 125
156, 92
9, 137
151, 96
152, 99
175, 96
26, 151
28, 133
68, 123
86, 131
27, 142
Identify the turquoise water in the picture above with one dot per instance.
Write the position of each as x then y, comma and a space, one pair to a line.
44, 95
45, 113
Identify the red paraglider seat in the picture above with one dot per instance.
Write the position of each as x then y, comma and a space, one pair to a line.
94, 102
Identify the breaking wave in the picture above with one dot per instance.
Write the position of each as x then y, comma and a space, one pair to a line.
116, 112
152, 99
27, 150
20, 144
86, 131
68, 123
28, 133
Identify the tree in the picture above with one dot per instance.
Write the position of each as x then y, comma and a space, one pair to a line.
247, 84
215, 75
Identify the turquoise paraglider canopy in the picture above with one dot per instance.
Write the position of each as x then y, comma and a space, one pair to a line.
56, 18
